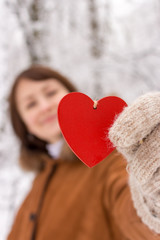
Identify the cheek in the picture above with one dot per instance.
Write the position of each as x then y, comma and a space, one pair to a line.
30, 120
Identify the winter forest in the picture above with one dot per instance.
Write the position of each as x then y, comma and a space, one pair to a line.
106, 47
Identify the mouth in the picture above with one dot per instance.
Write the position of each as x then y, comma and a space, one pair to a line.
50, 118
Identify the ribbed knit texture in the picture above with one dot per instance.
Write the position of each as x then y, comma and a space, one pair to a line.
136, 134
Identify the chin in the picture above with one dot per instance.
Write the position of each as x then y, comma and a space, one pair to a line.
54, 137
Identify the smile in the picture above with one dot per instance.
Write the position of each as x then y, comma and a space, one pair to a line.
51, 118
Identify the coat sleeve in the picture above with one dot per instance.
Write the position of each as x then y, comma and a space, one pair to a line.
135, 134
118, 202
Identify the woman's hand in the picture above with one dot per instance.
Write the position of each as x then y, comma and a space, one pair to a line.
136, 134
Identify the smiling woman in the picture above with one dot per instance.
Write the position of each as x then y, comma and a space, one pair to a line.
34, 99
68, 200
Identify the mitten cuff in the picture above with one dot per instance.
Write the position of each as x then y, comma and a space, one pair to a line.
145, 212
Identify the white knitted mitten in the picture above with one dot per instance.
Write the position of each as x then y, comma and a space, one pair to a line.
136, 134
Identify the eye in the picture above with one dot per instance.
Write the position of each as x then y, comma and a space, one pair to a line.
51, 93
30, 105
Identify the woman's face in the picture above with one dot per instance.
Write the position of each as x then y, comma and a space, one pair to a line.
37, 103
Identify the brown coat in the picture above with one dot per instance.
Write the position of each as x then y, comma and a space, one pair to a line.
70, 201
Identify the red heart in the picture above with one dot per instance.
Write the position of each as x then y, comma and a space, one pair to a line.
85, 128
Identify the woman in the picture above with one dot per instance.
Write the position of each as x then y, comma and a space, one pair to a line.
68, 201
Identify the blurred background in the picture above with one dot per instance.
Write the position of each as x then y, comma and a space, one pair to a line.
106, 47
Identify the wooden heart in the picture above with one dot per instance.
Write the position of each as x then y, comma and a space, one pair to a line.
85, 128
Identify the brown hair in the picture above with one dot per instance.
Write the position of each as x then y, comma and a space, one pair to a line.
31, 145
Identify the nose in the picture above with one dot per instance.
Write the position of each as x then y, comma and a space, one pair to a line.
45, 105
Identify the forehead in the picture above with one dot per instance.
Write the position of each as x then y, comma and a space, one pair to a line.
28, 88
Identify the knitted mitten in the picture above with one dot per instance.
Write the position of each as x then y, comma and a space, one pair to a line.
136, 134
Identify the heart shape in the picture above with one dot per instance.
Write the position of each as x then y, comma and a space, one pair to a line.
85, 128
